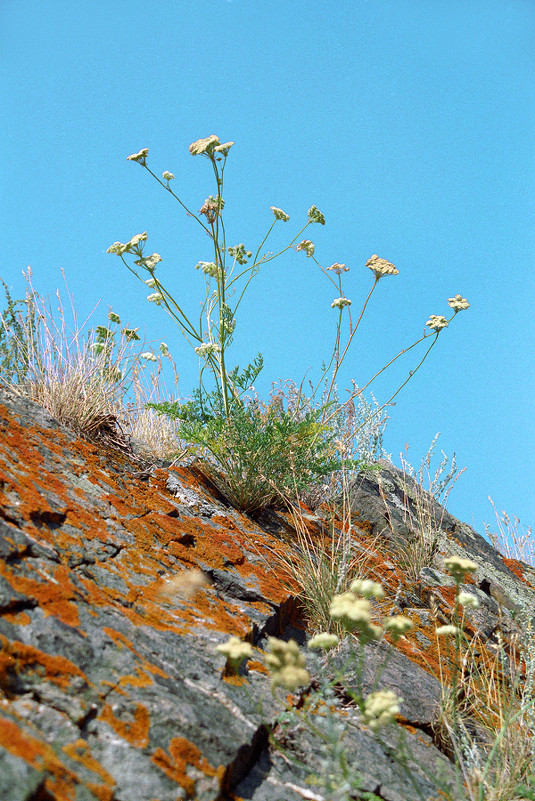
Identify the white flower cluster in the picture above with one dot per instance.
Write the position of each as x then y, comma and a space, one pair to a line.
286, 664
367, 588
149, 262
458, 303
209, 268
236, 651
467, 599
307, 246
447, 630
139, 157
207, 348
210, 145
338, 268
323, 641
339, 303
459, 567
397, 626
354, 614
381, 266
437, 322
119, 248
380, 708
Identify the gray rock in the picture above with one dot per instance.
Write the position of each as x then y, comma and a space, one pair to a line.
112, 690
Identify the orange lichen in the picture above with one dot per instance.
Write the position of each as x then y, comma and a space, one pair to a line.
17, 618
80, 752
54, 595
61, 782
19, 658
235, 679
257, 666
182, 754
135, 731
123, 642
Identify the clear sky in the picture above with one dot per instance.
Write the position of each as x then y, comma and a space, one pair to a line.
410, 125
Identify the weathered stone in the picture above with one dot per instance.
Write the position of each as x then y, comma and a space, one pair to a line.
111, 689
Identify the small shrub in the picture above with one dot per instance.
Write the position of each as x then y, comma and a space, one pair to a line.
260, 453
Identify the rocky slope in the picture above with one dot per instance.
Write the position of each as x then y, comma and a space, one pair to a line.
111, 688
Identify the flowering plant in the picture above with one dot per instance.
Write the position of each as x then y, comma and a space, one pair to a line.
227, 275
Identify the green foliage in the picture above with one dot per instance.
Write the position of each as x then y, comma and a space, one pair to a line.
261, 453
18, 318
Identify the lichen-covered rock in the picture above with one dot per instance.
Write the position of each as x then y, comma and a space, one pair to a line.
111, 688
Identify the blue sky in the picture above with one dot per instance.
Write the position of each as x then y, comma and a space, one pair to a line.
410, 125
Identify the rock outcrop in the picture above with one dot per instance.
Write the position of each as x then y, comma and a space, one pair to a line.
111, 688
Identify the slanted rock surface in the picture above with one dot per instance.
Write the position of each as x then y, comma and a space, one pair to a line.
111, 688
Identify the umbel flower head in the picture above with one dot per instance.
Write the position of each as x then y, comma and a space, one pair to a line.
210, 145
315, 215
167, 176
447, 631
437, 322
286, 664
381, 266
307, 246
207, 349
458, 303
397, 626
119, 248
236, 651
354, 614
459, 567
224, 148
205, 145
467, 599
209, 268
149, 262
280, 214
139, 157
367, 588
380, 708
339, 303
338, 268
323, 641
